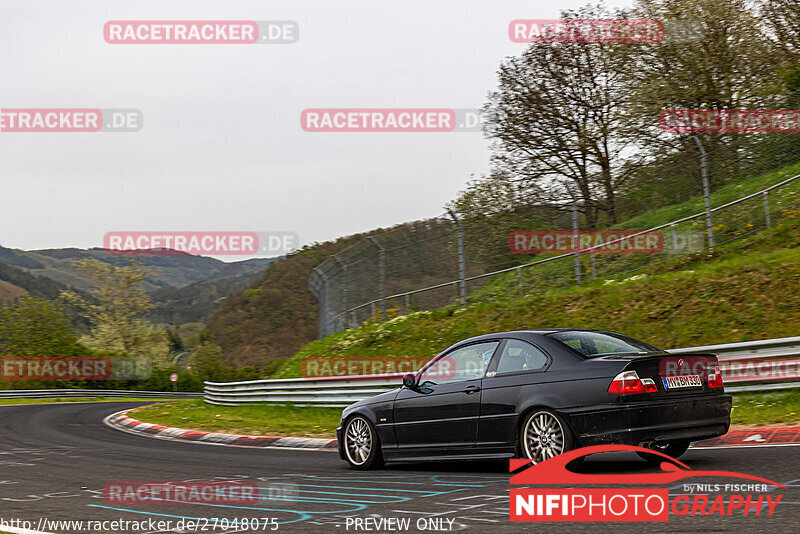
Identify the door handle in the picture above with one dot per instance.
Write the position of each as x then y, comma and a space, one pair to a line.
472, 389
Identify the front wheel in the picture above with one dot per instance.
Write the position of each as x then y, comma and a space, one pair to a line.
544, 435
672, 448
362, 448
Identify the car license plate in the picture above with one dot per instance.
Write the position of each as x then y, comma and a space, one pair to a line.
682, 381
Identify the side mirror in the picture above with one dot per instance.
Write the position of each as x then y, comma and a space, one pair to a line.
410, 380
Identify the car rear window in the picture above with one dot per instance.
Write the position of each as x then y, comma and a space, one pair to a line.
593, 344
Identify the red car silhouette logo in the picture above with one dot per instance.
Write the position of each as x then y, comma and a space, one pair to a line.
554, 470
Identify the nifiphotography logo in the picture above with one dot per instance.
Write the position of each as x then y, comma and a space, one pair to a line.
628, 504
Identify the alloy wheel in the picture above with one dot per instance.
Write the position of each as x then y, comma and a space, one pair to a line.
358, 441
543, 437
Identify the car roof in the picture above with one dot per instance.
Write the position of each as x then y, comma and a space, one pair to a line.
536, 332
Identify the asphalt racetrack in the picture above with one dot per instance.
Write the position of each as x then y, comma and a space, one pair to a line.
56, 459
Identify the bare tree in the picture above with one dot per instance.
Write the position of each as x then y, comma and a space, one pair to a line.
556, 116
725, 62
783, 19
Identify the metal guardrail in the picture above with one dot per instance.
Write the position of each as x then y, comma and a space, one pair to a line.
336, 391
93, 393
766, 363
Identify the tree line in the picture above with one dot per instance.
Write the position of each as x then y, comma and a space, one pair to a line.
579, 121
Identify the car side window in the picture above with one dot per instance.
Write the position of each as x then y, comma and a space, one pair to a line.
466, 363
606, 346
520, 356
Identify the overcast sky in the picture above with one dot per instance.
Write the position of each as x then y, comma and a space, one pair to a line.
222, 147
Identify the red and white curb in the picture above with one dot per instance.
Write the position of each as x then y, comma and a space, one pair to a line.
121, 421
770, 436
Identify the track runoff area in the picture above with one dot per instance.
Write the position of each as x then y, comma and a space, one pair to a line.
63, 471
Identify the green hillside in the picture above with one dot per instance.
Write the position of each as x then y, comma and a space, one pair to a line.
750, 290
9, 292
277, 316
198, 301
731, 224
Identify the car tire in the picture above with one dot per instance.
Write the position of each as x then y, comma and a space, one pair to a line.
544, 435
673, 448
362, 448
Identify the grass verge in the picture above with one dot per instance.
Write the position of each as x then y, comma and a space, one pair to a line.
721, 196
755, 409
766, 408
254, 420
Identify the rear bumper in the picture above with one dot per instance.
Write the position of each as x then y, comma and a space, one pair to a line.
635, 423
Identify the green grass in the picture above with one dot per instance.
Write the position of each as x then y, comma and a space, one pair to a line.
753, 409
255, 420
733, 227
76, 399
719, 197
766, 408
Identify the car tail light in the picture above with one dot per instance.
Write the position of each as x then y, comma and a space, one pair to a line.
649, 385
714, 376
629, 383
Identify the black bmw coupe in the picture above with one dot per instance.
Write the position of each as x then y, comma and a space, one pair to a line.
536, 394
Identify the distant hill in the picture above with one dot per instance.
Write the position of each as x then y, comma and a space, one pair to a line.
183, 287
174, 270
277, 314
10, 292
38, 286
197, 302
16, 282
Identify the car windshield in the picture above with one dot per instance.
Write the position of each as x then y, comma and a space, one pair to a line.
593, 344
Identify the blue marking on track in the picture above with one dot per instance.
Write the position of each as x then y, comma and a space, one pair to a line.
354, 488
322, 494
